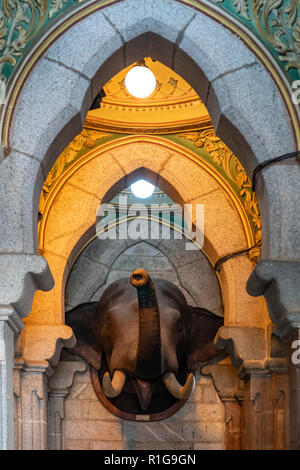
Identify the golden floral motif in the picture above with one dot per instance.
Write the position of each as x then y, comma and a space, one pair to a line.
222, 156
86, 140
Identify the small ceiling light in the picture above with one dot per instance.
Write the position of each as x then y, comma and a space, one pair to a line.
142, 189
140, 81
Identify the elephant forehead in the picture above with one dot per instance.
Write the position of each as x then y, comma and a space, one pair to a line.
124, 311
128, 314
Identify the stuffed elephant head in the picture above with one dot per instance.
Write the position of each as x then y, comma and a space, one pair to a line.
145, 337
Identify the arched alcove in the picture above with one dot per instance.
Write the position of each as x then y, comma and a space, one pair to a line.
66, 231
242, 99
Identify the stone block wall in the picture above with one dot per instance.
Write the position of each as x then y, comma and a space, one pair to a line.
87, 425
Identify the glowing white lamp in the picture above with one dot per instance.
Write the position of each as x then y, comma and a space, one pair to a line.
140, 81
142, 189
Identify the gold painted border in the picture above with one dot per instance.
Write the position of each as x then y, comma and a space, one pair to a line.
152, 104
237, 203
210, 10
120, 127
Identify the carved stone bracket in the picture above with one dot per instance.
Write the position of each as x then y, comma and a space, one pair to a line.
42, 344
279, 282
20, 276
225, 380
247, 347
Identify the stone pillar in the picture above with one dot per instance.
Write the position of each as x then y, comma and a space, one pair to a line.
266, 410
265, 392
17, 382
279, 282
234, 425
280, 386
38, 351
31, 383
10, 325
20, 276
259, 426
59, 387
294, 375
230, 391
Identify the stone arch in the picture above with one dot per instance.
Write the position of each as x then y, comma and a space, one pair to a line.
152, 167
250, 117
100, 176
196, 46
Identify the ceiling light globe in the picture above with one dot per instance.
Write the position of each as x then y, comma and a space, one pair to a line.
140, 82
142, 189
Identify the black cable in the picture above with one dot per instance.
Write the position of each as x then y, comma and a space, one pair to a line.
233, 255
269, 162
254, 178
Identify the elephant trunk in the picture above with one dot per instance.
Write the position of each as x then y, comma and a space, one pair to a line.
149, 363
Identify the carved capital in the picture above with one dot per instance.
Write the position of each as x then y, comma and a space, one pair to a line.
62, 379
20, 276
225, 380
42, 344
247, 346
12, 319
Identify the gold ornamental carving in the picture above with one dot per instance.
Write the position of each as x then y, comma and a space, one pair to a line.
223, 157
86, 140
221, 164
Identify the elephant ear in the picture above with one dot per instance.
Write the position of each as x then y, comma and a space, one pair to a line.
203, 329
82, 319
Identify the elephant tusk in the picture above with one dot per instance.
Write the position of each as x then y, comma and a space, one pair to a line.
179, 391
113, 388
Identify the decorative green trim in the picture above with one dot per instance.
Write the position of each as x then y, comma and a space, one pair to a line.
203, 143
82, 144
277, 24
21, 21
210, 148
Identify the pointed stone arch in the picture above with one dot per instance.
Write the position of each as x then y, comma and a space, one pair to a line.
245, 105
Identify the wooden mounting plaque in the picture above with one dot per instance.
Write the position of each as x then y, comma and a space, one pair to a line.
126, 415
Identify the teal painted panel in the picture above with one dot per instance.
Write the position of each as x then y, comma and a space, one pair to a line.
20, 23
276, 23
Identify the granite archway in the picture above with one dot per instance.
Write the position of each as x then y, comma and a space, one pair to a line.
242, 99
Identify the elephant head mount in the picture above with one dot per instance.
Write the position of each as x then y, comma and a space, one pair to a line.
145, 341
